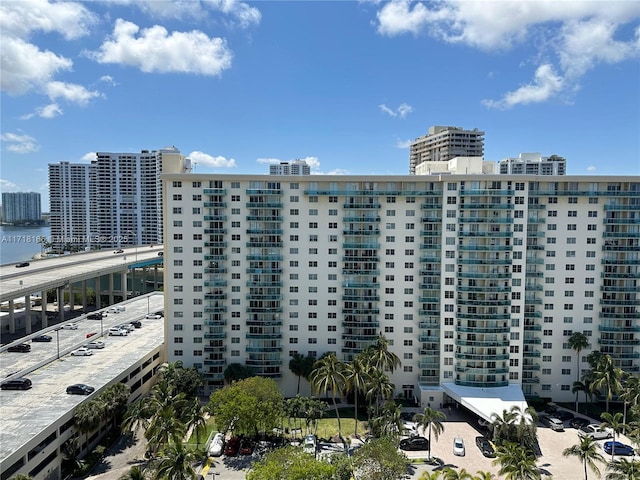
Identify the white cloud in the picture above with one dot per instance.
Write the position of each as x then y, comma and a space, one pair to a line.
108, 79
155, 50
269, 161
313, 162
201, 158
591, 168
49, 111
335, 171
402, 111
88, 157
579, 35
403, 143
24, 66
71, 92
7, 186
546, 85
19, 143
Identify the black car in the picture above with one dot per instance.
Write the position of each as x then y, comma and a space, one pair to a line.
407, 416
16, 384
578, 422
136, 323
22, 348
414, 443
485, 447
95, 316
22, 264
563, 415
42, 338
80, 389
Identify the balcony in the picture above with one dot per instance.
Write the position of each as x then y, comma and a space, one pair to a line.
481, 356
482, 384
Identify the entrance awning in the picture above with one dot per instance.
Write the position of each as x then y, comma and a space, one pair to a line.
484, 402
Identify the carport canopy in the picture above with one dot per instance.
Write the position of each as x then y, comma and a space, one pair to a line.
484, 402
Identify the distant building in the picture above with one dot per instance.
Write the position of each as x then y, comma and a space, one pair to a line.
533, 164
114, 201
444, 143
297, 167
457, 166
21, 207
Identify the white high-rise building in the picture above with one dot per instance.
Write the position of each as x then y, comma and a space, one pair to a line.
116, 200
296, 167
533, 164
442, 144
477, 281
21, 207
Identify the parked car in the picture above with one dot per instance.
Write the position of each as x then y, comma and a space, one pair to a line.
458, 447
595, 431
95, 344
246, 447
618, 448
552, 422
82, 352
414, 443
80, 389
22, 264
153, 316
119, 251
16, 384
217, 445
407, 416
70, 326
21, 348
485, 447
96, 316
310, 444
136, 323
128, 327
578, 422
42, 338
118, 332
91, 334
563, 415
232, 447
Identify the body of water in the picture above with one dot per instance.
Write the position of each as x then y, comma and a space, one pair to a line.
20, 244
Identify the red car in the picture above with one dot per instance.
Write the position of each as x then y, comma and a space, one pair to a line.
232, 447
91, 334
246, 448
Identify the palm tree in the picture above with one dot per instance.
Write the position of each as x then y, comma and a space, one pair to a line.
588, 453
578, 387
176, 464
630, 393
606, 375
516, 462
614, 422
196, 419
578, 341
435, 475
431, 419
356, 378
502, 426
380, 356
137, 415
380, 388
165, 427
451, 474
389, 423
623, 469
296, 365
87, 417
328, 376
483, 475
135, 473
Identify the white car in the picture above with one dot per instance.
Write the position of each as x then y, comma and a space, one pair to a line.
95, 344
152, 316
116, 309
70, 326
217, 445
596, 432
118, 332
82, 352
458, 447
310, 444
129, 327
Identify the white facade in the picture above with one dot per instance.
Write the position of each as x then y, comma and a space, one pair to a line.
21, 207
533, 164
476, 280
297, 167
114, 201
456, 166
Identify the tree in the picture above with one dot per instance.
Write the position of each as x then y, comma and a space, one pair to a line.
195, 419
380, 459
389, 423
235, 372
578, 341
623, 469
137, 415
356, 377
578, 387
431, 419
435, 475
176, 463
515, 425
135, 473
328, 376
115, 398
290, 463
630, 393
614, 422
301, 366
164, 429
607, 376
452, 474
380, 388
87, 417
483, 475
587, 451
516, 462
379, 355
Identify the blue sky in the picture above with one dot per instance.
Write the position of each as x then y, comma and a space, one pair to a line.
346, 85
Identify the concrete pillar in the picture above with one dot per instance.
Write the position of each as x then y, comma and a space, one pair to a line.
27, 314
98, 304
155, 277
84, 296
60, 299
111, 302
71, 299
12, 319
123, 284
43, 307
